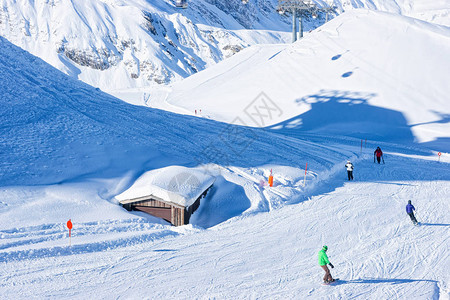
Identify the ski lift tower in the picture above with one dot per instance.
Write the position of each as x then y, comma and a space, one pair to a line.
329, 8
296, 8
181, 3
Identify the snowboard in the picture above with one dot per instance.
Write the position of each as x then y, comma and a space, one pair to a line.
330, 283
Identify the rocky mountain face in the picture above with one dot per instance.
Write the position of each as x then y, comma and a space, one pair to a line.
114, 44
120, 44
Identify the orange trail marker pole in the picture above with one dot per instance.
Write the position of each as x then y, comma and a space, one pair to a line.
270, 179
304, 181
69, 225
439, 156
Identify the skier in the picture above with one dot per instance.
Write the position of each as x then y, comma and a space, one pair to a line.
410, 211
323, 261
349, 167
379, 154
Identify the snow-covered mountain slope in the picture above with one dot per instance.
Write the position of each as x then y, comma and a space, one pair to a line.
127, 44
56, 129
124, 44
364, 74
376, 251
67, 149
437, 11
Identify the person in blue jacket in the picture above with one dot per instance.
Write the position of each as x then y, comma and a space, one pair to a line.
410, 211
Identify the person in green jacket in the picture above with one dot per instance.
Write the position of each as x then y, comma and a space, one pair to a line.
323, 262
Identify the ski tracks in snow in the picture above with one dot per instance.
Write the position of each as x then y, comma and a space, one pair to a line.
377, 252
50, 240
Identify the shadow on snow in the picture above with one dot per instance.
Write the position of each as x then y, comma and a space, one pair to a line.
386, 280
76, 132
434, 224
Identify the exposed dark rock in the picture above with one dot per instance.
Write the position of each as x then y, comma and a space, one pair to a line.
99, 59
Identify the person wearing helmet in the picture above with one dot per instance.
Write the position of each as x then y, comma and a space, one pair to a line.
349, 167
323, 262
410, 211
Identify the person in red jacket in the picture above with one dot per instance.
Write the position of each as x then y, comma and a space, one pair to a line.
379, 154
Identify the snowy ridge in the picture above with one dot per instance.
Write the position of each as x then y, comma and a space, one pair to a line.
437, 12
125, 44
389, 86
142, 44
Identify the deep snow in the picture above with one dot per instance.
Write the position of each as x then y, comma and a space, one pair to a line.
68, 149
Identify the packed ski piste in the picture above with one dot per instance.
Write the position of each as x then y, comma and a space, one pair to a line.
318, 169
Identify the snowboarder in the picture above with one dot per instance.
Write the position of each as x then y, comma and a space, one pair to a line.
410, 211
349, 167
323, 262
379, 154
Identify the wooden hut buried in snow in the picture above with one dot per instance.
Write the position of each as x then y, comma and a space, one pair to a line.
172, 193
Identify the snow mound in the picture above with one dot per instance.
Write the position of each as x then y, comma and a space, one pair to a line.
176, 184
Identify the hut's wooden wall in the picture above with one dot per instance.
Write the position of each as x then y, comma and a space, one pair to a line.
177, 215
155, 208
152, 203
159, 212
190, 210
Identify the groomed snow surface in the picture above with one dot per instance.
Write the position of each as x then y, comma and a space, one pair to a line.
376, 251
68, 149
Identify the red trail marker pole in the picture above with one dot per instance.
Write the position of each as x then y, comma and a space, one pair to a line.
69, 225
304, 180
270, 178
439, 156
